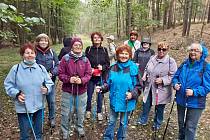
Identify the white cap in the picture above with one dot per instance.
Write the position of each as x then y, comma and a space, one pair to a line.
110, 37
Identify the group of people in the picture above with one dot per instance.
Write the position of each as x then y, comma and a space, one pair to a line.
124, 72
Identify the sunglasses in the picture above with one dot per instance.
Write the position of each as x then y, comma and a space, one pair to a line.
163, 49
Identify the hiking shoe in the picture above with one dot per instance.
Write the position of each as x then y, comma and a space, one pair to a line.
155, 128
88, 114
140, 123
81, 133
52, 123
100, 117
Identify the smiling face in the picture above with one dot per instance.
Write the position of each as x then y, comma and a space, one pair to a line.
145, 45
124, 56
77, 47
195, 52
162, 49
133, 37
97, 39
29, 55
43, 43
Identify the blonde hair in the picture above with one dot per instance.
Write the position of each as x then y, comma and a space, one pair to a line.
163, 45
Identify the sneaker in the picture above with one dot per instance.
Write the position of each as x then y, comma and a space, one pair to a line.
52, 123
88, 114
100, 117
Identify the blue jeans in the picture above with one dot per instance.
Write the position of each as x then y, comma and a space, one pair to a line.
90, 90
25, 126
70, 104
188, 120
159, 111
51, 103
121, 133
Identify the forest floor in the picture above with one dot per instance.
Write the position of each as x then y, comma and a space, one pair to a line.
94, 131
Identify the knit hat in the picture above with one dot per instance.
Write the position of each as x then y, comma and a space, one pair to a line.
75, 39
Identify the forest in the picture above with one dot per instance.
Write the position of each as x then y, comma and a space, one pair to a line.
178, 22
22, 20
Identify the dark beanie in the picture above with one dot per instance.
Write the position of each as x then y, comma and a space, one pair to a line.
75, 39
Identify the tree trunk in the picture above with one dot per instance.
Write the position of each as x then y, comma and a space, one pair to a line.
158, 10
165, 14
153, 13
208, 19
170, 14
185, 17
128, 16
190, 17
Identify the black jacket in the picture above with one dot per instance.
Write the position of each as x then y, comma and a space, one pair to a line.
96, 56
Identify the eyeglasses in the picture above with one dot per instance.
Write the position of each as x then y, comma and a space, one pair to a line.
163, 49
194, 50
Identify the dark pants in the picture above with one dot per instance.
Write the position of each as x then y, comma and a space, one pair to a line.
90, 90
25, 127
188, 120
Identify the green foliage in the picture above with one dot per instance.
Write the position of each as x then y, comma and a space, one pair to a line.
7, 35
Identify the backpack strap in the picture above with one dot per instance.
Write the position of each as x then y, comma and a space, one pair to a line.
16, 73
52, 53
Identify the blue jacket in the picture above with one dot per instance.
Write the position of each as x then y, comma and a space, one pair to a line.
122, 78
195, 78
29, 80
49, 59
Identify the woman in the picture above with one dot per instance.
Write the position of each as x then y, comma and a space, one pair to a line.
99, 60
157, 77
192, 84
143, 54
133, 41
74, 72
28, 83
122, 84
47, 57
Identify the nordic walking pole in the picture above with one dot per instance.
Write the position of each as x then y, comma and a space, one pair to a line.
70, 118
43, 102
168, 119
30, 121
103, 98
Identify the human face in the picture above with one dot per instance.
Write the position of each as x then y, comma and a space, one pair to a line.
96, 39
133, 37
162, 51
77, 47
123, 56
194, 52
43, 43
145, 45
29, 55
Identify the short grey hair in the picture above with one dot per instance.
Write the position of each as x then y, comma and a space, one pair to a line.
196, 44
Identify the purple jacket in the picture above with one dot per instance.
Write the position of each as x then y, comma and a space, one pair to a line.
71, 66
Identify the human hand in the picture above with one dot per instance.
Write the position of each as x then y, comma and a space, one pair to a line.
98, 89
128, 95
44, 89
99, 67
189, 92
177, 86
158, 81
144, 77
21, 97
50, 74
73, 79
78, 80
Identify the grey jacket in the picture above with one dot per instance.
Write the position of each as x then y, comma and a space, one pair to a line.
164, 68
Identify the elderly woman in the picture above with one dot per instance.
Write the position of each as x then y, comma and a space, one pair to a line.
157, 76
28, 83
99, 60
47, 57
122, 84
74, 72
192, 84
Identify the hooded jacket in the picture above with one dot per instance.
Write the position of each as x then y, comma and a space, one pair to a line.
195, 77
71, 66
122, 78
